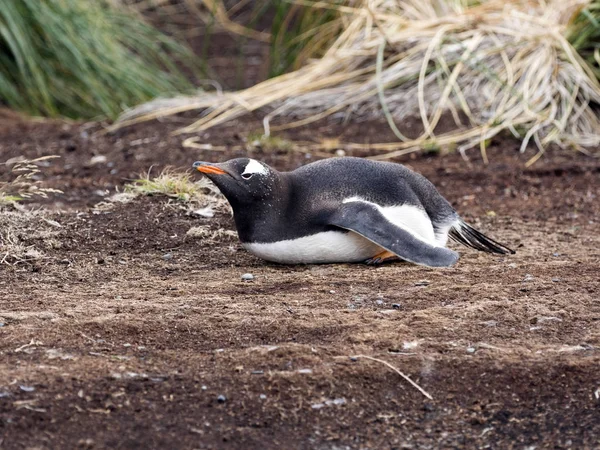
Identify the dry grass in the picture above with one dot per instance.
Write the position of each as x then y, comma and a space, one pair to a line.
506, 66
24, 184
176, 185
209, 234
24, 235
199, 197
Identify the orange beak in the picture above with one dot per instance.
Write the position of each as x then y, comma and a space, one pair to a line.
211, 169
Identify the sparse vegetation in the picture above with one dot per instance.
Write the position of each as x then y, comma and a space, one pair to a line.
24, 185
175, 185
24, 235
269, 143
207, 233
199, 198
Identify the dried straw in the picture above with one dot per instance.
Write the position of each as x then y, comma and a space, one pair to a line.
504, 65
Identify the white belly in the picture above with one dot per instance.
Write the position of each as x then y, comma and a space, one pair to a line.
325, 247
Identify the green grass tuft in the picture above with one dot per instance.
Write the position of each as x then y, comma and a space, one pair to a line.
584, 35
178, 186
84, 59
300, 32
269, 143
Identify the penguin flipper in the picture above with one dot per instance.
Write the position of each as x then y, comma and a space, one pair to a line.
366, 220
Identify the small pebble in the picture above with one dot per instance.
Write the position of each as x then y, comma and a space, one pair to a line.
555, 280
262, 396
528, 277
247, 277
98, 159
204, 387
353, 359
340, 152
2, 324
167, 256
556, 254
205, 212
379, 301
396, 305
221, 399
127, 345
423, 283
257, 372
471, 349
27, 388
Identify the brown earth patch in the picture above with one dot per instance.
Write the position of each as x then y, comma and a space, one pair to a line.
126, 332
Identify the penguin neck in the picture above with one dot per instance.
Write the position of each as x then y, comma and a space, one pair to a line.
260, 221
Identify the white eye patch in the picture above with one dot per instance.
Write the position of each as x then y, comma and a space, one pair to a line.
254, 167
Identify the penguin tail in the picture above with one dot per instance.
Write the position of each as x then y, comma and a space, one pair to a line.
465, 234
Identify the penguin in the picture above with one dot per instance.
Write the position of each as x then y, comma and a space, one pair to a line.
342, 210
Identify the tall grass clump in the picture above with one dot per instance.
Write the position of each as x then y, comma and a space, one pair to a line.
300, 32
524, 67
295, 31
84, 59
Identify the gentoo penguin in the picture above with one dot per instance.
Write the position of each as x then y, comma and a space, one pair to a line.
342, 210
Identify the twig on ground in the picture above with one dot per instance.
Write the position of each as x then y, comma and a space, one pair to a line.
406, 377
33, 343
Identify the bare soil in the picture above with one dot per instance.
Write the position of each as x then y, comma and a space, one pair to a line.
127, 331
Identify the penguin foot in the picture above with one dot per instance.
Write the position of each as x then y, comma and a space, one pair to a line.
382, 257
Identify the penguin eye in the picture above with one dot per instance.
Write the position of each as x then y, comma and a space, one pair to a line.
247, 176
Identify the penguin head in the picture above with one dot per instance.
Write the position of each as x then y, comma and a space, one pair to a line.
242, 181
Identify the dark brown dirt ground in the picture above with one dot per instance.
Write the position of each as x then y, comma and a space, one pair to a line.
107, 344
